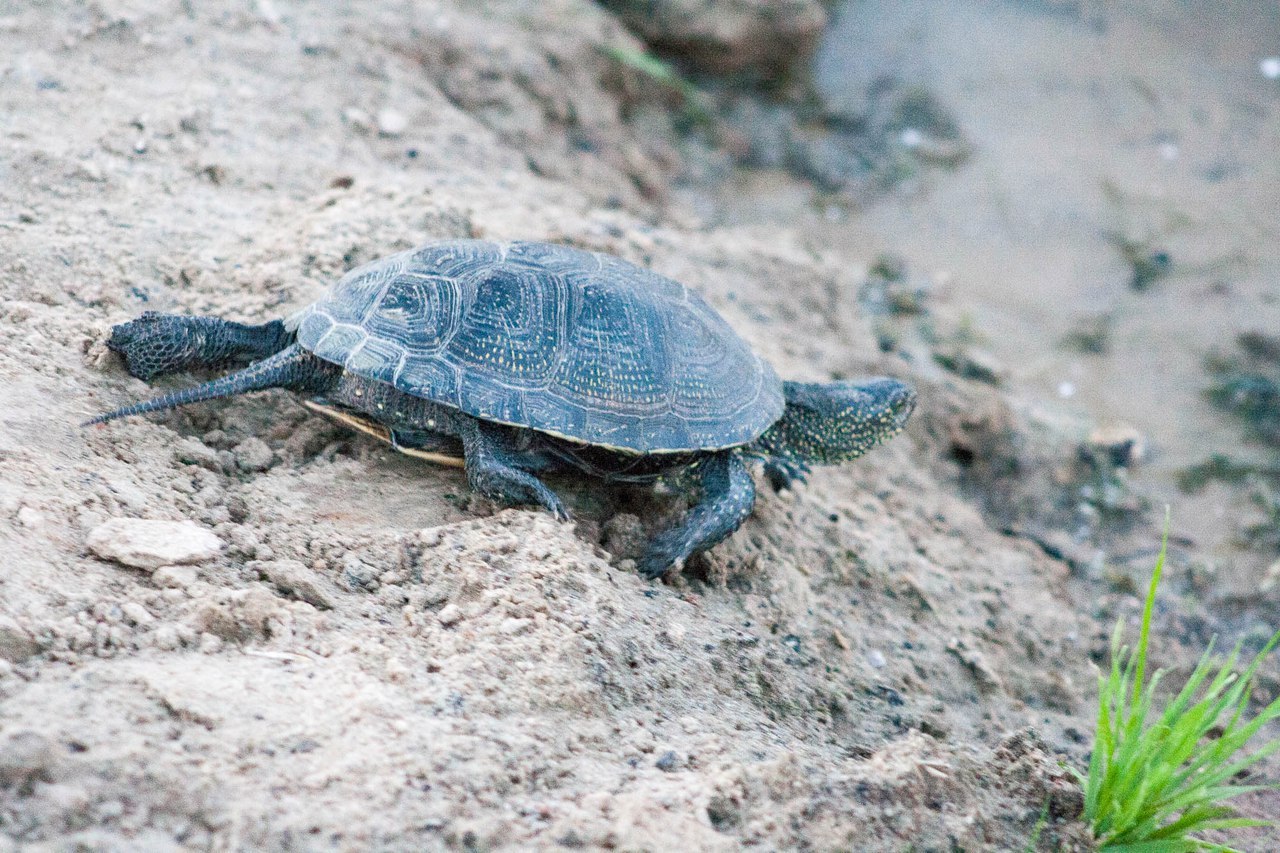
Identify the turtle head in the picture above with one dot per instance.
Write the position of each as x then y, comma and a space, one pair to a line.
831, 422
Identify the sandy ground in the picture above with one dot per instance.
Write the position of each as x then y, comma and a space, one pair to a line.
374, 659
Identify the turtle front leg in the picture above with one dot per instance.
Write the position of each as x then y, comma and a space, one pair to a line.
728, 494
156, 344
492, 469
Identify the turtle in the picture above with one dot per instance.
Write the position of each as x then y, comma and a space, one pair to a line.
514, 360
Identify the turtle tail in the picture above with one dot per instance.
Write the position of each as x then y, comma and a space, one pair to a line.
293, 368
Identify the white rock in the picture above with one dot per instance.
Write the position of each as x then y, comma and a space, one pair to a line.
174, 577
137, 615
166, 638
30, 517
392, 123
147, 544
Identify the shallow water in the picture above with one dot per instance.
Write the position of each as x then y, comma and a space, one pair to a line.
1155, 121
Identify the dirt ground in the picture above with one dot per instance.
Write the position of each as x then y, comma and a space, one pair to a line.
371, 658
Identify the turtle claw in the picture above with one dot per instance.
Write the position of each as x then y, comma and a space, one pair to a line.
662, 556
557, 508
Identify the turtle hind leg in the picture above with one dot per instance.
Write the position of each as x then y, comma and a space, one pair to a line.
728, 494
494, 470
293, 368
156, 344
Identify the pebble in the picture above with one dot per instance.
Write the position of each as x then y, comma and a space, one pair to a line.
293, 578
174, 577
150, 544
359, 574
450, 614
396, 670
166, 638
191, 451
210, 644
392, 122
253, 454
16, 645
136, 615
876, 659
1122, 444
26, 756
30, 517
512, 626
357, 118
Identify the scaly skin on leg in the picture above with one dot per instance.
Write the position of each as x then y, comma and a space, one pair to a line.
293, 368
728, 494
157, 344
492, 471
785, 473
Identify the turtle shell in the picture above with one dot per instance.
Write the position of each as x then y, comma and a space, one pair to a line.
576, 344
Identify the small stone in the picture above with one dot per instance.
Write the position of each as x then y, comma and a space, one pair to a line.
450, 614
210, 644
392, 122
136, 615
166, 638
988, 679
358, 574
253, 454
108, 810
984, 367
25, 758
1270, 579
876, 659
148, 544
358, 119
191, 451
293, 578
174, 577
1121, 443
668, 762
513, 626
31, 517
396, 670
16, 645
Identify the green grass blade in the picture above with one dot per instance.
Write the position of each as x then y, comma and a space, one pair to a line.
1162, 770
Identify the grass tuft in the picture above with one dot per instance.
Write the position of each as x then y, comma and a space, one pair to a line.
1159, 778
698, 105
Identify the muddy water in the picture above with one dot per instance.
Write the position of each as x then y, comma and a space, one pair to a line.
1152, 122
